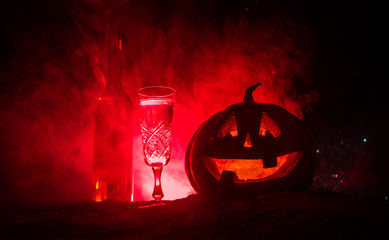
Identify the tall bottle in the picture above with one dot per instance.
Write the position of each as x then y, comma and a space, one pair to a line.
112, 165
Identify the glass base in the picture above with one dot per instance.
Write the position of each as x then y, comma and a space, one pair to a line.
154, 204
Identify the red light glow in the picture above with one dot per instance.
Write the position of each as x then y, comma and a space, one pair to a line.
209, 62
120, 45
100, 193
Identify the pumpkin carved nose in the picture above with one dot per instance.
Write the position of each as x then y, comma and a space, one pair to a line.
247, 143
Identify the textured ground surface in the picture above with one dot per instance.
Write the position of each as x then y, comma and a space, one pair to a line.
273, 216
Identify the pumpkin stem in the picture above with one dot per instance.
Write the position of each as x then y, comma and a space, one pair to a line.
248, 97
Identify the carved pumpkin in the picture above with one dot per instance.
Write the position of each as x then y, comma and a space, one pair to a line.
250, 147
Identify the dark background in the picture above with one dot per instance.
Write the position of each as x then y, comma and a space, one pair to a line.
347, 68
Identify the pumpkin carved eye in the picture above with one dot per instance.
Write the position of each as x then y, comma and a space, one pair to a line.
228, 127
268, 125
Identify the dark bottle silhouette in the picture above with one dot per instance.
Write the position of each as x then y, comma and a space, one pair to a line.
112, 165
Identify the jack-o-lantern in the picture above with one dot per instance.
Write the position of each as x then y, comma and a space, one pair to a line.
250, 147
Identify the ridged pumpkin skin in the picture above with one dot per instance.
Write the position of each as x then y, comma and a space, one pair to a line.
250, 148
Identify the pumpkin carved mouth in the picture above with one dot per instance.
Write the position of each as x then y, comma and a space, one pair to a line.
252, 169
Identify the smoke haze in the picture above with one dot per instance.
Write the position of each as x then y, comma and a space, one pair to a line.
54, 68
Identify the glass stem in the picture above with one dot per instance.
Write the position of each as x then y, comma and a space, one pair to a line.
157, 193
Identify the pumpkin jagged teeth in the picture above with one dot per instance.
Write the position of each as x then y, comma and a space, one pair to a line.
248, 169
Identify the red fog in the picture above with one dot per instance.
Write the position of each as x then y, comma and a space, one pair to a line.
208, 54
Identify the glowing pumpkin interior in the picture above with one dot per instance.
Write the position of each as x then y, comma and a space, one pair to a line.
251, 170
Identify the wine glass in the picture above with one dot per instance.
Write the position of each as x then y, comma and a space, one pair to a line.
156, 112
